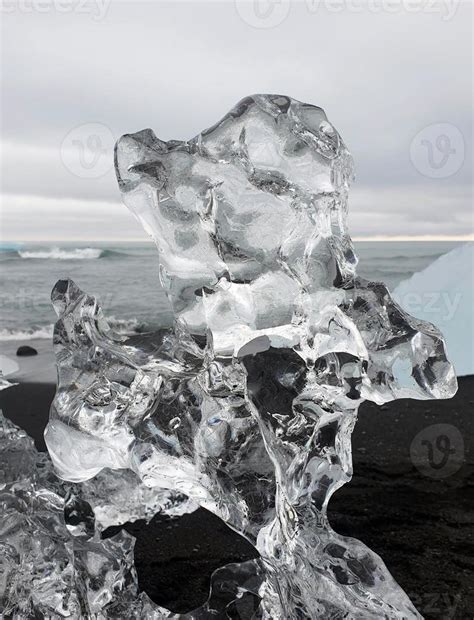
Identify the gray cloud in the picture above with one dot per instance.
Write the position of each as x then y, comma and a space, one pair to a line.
177, 67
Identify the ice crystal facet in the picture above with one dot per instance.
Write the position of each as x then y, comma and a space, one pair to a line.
247, 406
53, 562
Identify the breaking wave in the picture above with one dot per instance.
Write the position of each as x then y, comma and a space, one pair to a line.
120, 326
27, 334
125, 326
57, 253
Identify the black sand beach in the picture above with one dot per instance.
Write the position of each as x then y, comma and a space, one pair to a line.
420, 520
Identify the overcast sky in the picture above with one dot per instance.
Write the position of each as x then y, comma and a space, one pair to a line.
395, 78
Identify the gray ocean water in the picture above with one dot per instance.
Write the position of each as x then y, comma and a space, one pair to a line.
124, 276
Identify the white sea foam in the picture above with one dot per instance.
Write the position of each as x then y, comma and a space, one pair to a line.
27, 334
123, 326
61, 254
120, 326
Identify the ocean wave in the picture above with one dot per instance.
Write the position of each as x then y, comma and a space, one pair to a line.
113, 254
124, 327
375, 258
9, 255
35, 333
380, 272
57, 253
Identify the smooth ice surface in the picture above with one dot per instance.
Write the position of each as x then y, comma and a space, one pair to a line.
443, 293
247, 406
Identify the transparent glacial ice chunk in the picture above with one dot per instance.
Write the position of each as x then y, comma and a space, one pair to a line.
53, 561
247, 406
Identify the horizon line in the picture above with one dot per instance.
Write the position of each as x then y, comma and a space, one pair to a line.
356, 238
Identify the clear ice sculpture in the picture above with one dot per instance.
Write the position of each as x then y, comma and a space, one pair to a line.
246, 407
53, 562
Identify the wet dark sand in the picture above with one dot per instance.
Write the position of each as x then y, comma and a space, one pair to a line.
420, 522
